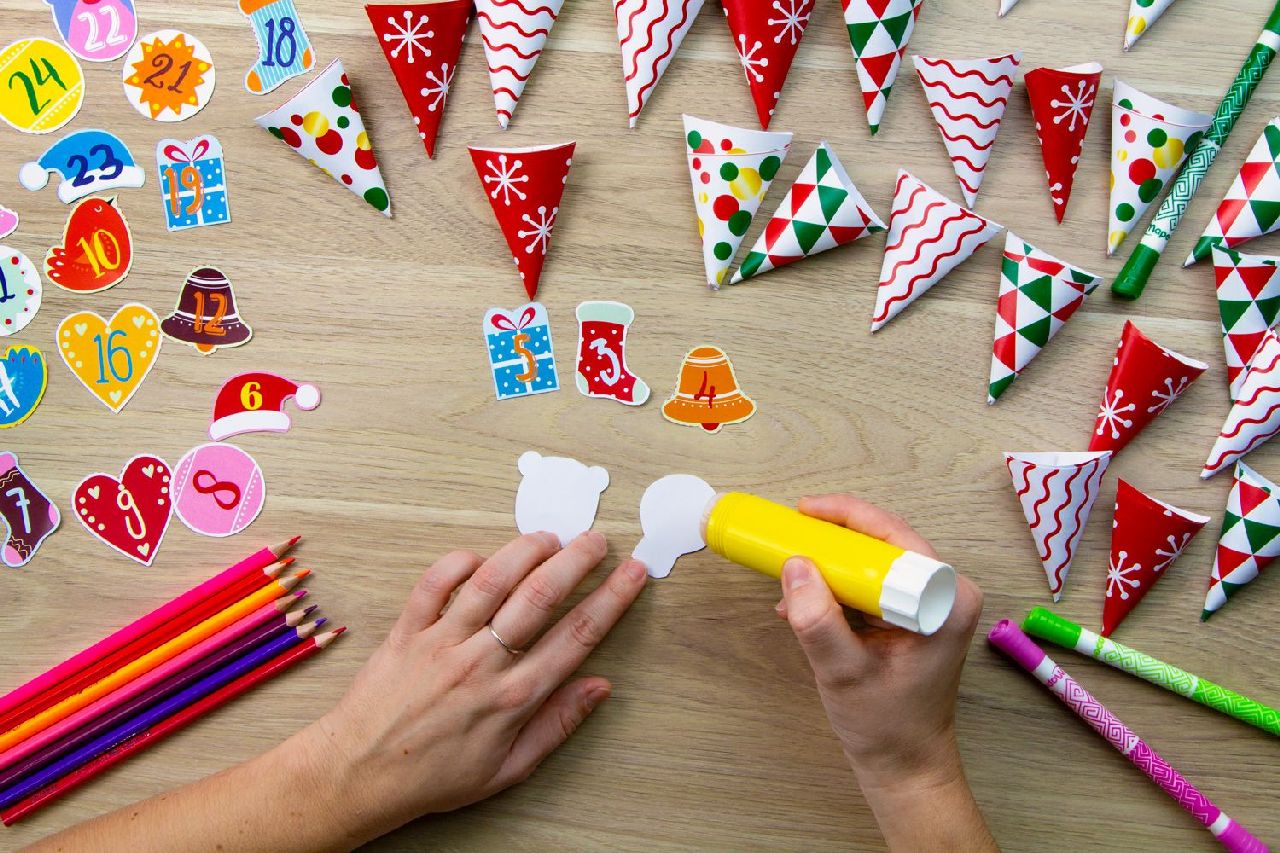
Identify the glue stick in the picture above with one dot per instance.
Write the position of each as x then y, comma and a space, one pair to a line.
902, 587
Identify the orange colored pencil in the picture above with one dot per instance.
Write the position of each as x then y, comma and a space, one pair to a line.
150, 660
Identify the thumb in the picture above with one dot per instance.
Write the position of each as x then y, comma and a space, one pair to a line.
818, 621
549, 727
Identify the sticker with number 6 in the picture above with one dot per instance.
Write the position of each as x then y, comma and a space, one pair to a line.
96, 251
111, 357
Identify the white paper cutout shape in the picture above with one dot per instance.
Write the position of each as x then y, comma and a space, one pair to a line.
558, 495
671, 517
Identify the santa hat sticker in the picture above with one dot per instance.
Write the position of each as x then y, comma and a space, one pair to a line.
649, 34
524, 187
1061, 105
87, 161
766, 38
255, 402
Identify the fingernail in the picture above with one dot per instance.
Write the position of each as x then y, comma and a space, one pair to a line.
634, 569
596, 696
594, 537
796, 573
780, 607
550, 538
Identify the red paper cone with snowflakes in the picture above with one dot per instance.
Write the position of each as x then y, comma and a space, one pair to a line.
766, 38
1061, 105
1145, 379
1147, 535
1248, 301
513, 32
524, 186
1255, 414
1057, 491
968, 98
649, 34
422, 42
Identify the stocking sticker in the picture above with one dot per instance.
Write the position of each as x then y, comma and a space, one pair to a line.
44, 85
95, 30
111, 358
29, 515
24, 374
130, 514
20, 290
602, 360
96, 250
671, 512
284, 50
87, 162
707, 392
206, 315
521, 355
193, 182
558, 495
169, 76
8, 221
218, 489
255, 402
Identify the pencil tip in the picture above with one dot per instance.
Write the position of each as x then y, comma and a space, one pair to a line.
302, 573
302, 593
321, 621
307, 611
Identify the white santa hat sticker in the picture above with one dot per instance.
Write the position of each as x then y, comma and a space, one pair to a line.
254, 402
558, 495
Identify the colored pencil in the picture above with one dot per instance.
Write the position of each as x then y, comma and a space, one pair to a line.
1022, 650
262, 636
148, 718
1132, 279
1050, 626
269, 614
44, 683
179, 720
149, 661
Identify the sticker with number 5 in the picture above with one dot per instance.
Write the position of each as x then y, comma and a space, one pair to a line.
96, 250
284, 50
111, 357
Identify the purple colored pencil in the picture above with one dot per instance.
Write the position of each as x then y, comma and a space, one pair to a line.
1009, 639
263, 634
140, 723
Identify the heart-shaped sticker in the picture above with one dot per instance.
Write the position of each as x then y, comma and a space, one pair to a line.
23, 378
131, 513
111, 358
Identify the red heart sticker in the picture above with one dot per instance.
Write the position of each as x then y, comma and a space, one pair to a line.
130, 514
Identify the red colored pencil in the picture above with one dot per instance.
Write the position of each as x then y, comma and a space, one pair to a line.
178, 721
160, 625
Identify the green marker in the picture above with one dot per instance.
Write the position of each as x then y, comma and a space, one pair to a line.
1133, 276
1049, 626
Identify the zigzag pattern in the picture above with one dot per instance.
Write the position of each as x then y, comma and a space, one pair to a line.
1255, 415
649, 33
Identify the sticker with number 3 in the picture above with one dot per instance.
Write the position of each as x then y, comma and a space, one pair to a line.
96, 30
41, 85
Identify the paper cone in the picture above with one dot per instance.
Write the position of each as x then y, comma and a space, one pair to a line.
1147, 535
1145, 378
1250, 537
421, 42
731, 169
1057, 491
649, 33
1038, 295
822, 209
1149, 141
1255, 414
1251, 206
968, 97
322, 123
524, 186
766, 37
1142, 14
1006, 6
513, 32
1061, 105
1248, 302
878, 33
929, 236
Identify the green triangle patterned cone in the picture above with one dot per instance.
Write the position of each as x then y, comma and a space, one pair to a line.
1251, 206
1250, 537
878, 33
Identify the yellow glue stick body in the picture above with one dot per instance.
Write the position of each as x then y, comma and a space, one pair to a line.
902, 587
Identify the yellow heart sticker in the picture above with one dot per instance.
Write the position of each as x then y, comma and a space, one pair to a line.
111, 358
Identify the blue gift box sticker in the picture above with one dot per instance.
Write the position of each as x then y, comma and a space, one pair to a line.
521, 355
193, 182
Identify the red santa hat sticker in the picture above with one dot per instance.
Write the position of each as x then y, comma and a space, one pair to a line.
254, 402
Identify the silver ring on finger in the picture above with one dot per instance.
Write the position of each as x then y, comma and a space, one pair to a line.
509, 650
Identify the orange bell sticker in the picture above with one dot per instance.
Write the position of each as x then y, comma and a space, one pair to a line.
707, 392
96, 250
111, 357
169, 75
206, 315
43, 85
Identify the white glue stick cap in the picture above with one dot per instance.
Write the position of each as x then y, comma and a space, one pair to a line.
918, 593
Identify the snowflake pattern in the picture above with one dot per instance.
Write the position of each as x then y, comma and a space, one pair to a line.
750, 60
409, 36
539, 230
1167, 396
793, 21
505, 178
1112, 414
437, 88
1118, 579
1175, 551
1076, 104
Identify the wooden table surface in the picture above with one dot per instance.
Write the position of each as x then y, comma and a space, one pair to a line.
714, 738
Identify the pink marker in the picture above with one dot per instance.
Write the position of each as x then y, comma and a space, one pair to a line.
1006, 637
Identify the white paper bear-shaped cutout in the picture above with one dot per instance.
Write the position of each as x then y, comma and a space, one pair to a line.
671, 513
558, 495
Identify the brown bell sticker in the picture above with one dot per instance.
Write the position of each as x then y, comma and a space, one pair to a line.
206, 315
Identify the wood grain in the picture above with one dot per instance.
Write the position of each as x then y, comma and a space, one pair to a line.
714, 738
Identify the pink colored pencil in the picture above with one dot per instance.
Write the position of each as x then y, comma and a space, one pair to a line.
1007, 637
78, 662
226, 636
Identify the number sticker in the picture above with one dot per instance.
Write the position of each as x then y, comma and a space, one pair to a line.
41, 85
29, 516
24, 375
205, 315
255, 402
111, 358
87, 161
192, 182
97, 32
169, 75
130, 513
283, 48
218, 489
20, 291
96, 250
